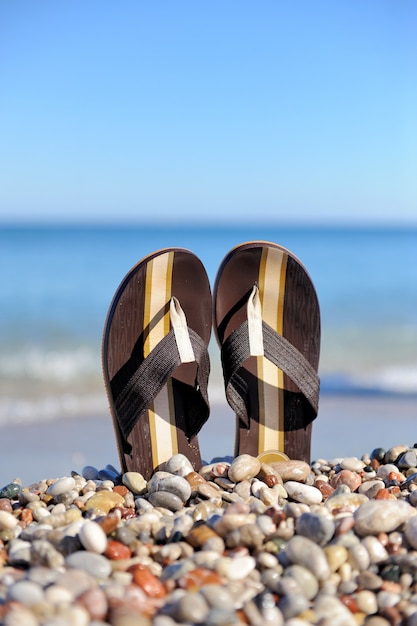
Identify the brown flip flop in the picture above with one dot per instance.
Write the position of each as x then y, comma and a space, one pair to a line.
267, 323
155, 359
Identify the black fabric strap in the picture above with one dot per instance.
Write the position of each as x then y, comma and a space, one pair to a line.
152, 375
278, 350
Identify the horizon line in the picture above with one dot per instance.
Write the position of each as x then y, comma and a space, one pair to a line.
213, 223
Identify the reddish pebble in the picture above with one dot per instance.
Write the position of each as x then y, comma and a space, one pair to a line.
94, 601
396, 476
270, 480
384, 494
5, 505
26, 516
121, 490
194, 479
198, 577
324, 487
393, 548
148, 582
116, 550
109, 523
348, 478
350, 603
127, 513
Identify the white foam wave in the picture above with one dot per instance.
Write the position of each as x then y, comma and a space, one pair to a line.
53, 365
51, 408
395, 379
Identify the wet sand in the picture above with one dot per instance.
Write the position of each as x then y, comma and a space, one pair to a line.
346, 426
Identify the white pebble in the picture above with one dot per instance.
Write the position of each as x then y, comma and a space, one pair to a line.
40, 514
376, 550
366, 601
353, 464
26, 592
178, 464
62, 485
7, 520
379, 516
58, 595
93, 537
235, 569
385, 470
306, 494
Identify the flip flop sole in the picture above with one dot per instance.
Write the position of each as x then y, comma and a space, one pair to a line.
279, 416
138, 319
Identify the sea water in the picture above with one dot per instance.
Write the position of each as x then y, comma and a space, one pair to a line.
57, 283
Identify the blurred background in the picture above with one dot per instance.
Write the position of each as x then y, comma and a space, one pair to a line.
129, 127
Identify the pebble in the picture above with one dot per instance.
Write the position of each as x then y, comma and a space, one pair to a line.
235, 568
306, 580
62, 485
371, 487
171, 483
7, 520
305, 552
244, 467
166, 500
238, 542
346, 477
93, 537
105, 501
178, 464
94, 564
375, 517
300, 492
11, 490
292, 470
26, 592
292, 605
352, 464
316, 527
135, 482
332, 611
336, 555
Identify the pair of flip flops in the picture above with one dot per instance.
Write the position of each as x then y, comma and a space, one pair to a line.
266, 318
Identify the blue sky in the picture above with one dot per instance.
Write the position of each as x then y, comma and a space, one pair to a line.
225, 110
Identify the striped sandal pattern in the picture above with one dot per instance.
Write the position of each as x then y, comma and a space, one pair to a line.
267, 324
155, 360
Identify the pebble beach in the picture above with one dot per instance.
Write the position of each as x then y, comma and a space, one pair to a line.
240, 542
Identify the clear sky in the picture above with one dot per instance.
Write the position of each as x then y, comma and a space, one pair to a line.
227, 110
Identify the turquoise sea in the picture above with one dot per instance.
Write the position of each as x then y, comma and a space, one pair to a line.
57, 283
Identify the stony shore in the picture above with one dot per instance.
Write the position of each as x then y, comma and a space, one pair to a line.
240, 542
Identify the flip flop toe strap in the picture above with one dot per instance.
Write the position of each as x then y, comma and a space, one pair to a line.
152, 375
237, 349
